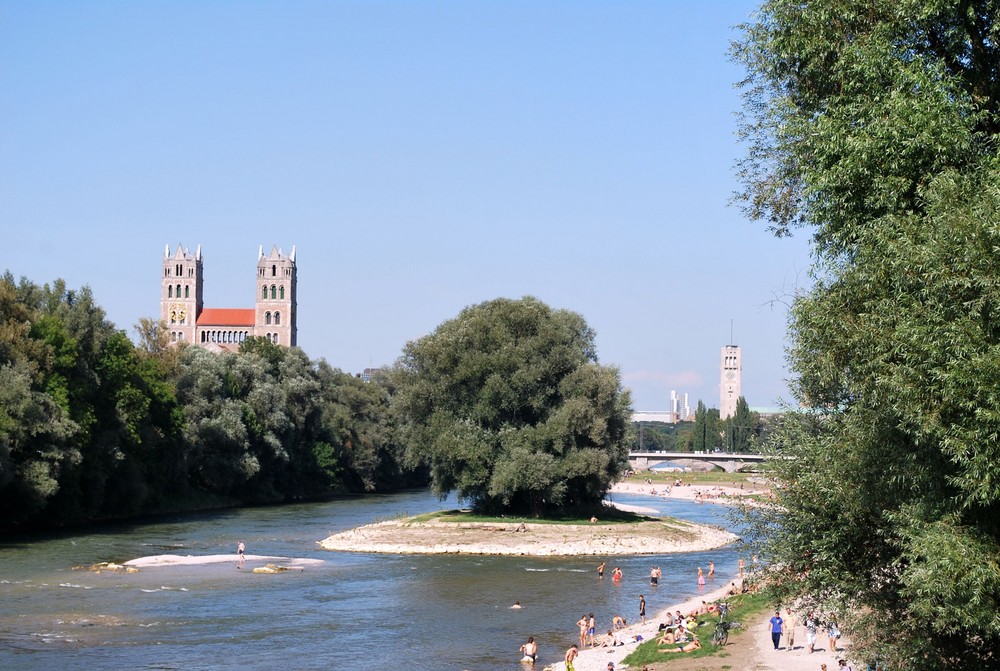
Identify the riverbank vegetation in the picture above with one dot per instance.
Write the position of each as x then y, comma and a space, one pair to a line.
93, 427
876, 124
506, 405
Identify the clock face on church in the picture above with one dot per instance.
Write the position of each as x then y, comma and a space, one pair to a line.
731, 375
177, 313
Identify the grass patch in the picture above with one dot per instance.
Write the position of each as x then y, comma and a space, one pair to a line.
709, 478
743, 608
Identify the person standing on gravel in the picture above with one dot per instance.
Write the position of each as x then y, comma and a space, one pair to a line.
777, 628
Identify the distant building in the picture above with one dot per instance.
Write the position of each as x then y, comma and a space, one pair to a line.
273, 315
679, 406
730, 380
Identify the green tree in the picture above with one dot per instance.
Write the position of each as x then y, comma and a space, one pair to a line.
874, 123
742, 429
509, 407
706, 436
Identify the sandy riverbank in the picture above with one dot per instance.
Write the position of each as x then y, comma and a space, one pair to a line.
596, 659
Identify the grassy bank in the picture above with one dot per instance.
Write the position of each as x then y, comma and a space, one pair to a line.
743, 608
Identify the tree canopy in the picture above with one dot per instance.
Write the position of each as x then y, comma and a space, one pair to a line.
875, 124
93, 427
508, 406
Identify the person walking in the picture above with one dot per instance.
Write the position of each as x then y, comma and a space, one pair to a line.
777, 628
811, 628
642, 609
570, 656
791, 628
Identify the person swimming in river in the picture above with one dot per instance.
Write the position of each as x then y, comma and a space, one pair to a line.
616, 575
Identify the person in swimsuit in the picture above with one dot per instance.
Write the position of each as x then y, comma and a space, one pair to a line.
701, 577
582, 623
711, 569
240, 550
570, 656
616, 574
530, 650
642, 609
687, 647
600, 570
591, 628
653, 578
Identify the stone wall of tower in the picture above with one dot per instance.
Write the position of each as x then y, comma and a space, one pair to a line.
730, 380
276, 297
181, 293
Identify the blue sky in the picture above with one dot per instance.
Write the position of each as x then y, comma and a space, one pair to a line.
421, 156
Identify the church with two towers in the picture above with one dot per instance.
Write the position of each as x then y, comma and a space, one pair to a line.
188, 320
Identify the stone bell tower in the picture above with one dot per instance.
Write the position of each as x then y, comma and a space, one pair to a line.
276, 297
181, 293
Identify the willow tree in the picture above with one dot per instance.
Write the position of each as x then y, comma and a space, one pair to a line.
873, 124
509, 407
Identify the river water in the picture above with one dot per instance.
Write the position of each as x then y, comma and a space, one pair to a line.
353, 611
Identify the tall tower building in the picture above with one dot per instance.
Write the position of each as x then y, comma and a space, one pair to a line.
181, 293
276, 303
679, 407
730, 380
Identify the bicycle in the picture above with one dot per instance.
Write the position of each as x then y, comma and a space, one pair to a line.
721, 634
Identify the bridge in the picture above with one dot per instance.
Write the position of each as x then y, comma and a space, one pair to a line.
729, 462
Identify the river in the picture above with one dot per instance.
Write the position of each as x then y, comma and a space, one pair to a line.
353, 611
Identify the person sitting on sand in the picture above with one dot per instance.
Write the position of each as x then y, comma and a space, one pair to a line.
688, 647
668, 638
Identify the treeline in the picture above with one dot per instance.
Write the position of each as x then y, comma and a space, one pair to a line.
94, 427
743, 433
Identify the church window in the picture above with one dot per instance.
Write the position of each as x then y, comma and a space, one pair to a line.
277, 318
281, 292
204, 336
180, 335
263, 292
187, 291
274, 291
275, 338
170, 291
274, 271
178, 290
267, 318
177, 270
173, 336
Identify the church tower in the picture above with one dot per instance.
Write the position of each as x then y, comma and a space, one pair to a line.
276, 302
181, 293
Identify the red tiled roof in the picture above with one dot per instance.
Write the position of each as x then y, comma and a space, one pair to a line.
227, 317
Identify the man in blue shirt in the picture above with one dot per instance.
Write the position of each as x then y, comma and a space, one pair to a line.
777, 628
